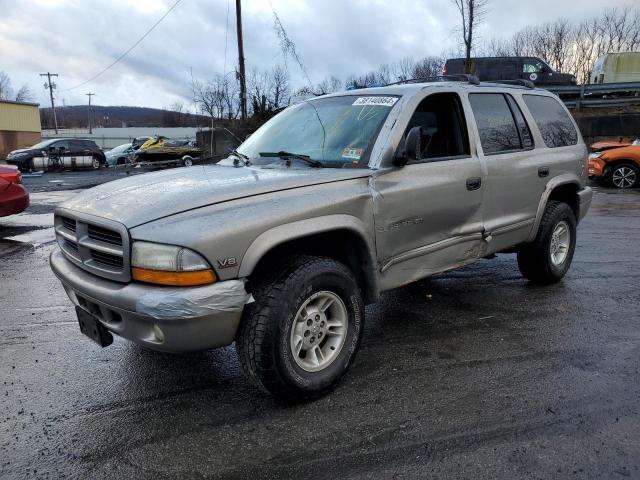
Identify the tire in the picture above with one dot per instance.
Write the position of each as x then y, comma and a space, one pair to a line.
544, 261
95, 163
187, 161
625, 175
267, 338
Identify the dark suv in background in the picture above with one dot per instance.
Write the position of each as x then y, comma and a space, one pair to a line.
71, 152
489, 69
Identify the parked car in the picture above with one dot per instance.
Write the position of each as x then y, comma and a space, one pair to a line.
120, 155
14, 198
59, 152
331, 202
616, 67
510, 68
618, 165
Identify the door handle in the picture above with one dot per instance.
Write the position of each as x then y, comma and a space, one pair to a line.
543, 172
474, 183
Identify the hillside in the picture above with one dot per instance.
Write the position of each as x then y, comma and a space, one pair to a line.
77, 116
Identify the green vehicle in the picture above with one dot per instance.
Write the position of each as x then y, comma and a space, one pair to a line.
616, 68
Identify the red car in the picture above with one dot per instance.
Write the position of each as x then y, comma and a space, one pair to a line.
14, 198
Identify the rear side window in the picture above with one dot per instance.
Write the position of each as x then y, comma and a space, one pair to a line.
497, 128
554, 124
521, 123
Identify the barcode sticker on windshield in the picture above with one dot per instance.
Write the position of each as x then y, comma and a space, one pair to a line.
383, 101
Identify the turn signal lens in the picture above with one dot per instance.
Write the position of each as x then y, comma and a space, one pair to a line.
169, 265
177, 279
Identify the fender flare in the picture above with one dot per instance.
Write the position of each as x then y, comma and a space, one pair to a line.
564, 179
275, 236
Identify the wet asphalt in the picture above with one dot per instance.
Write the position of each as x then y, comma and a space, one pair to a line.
475, 374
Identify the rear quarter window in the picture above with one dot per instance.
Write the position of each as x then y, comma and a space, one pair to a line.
552, 120
496, 126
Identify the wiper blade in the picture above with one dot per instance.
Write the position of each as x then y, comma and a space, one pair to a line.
288, 156
240, 157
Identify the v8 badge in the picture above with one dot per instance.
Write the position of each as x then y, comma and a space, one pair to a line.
227, 262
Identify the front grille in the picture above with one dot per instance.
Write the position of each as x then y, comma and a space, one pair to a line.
107, 259
69, 224
104, 235
98, 245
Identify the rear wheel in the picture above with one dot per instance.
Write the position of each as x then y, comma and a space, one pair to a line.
625, 175
548, 257
95, 163
302, 332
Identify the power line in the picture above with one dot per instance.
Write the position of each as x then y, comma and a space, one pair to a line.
128, 50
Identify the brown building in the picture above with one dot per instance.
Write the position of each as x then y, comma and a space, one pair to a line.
19, 126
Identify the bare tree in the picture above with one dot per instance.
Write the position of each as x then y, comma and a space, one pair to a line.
404, 69
574, 48
279, 88
25, 94
471, 15
6, 92
428, 67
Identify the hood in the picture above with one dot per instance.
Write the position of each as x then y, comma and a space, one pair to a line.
608, 144
144, 198
17, 152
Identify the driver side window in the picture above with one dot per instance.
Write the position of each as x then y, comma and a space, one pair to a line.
442, 119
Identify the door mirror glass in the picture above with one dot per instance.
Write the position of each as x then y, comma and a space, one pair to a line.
412, 147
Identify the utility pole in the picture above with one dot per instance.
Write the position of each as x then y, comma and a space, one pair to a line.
51, 86
89, 110
243, 83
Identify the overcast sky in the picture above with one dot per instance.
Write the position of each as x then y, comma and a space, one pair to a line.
78, 38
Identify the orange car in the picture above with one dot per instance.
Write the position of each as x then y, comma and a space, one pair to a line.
618, 164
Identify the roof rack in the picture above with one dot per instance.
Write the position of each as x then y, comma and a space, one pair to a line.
472, 79
518, 81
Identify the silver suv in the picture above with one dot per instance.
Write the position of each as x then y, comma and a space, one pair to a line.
330, 203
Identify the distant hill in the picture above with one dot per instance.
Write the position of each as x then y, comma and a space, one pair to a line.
77, 117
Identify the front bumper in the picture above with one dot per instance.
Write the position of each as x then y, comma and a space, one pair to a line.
168, 319
595, 168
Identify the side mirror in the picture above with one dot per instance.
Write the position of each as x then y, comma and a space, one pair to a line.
412, 147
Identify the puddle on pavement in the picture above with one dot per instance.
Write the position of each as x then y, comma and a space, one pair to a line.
35, 237
28, 220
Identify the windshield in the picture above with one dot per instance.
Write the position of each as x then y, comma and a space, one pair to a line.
44, 144
337, 131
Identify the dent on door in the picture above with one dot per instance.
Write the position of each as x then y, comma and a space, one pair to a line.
427, 219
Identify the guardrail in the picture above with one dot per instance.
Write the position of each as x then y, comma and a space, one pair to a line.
598, 95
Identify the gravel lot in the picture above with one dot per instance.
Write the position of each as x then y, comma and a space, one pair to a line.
475, 374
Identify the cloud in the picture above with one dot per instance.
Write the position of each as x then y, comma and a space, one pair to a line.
78, 39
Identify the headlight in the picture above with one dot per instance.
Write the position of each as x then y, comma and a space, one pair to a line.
169, 265
595, 155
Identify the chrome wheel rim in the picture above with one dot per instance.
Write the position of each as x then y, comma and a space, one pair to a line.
623, 177
319, 331
560, 239
95, 164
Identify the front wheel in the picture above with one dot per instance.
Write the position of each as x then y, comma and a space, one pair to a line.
548, 257
302, 332
625, 176
95, 163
